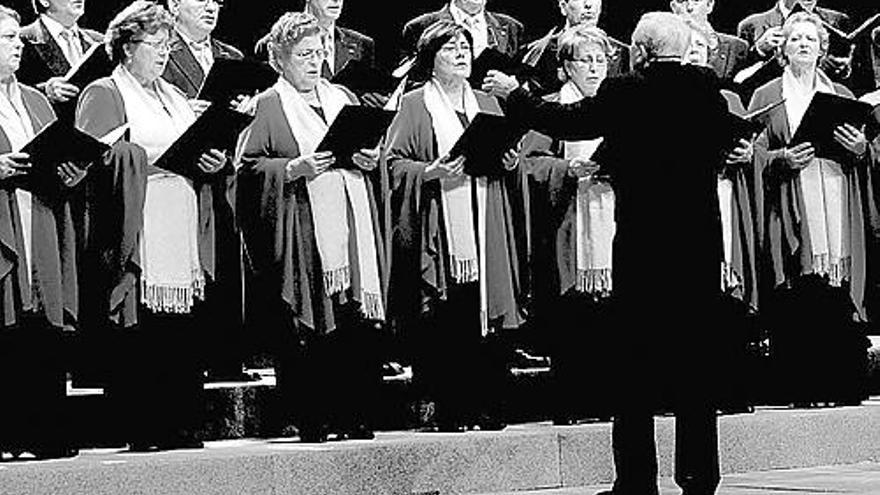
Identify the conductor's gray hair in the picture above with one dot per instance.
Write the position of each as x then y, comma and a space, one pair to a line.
662, 34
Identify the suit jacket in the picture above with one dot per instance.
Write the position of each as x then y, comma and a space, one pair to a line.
661, 191
504, 30
866, 64
42, 56
729, 57
185, 72
351, 45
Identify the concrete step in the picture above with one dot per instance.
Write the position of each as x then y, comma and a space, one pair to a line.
532, 456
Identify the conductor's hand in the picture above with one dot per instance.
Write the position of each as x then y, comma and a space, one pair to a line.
373, 99
852, 139
510, 159
582, 167
799, 156
366, 159
199, 106
70, 174
310, 166
12, 164
770, 40
244, 104
499, 84
212, 161
743, 153
444, 168
59, 90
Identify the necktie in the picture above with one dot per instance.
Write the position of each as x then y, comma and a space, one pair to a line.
74, 47
327, 63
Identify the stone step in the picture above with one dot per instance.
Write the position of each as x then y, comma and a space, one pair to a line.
532, 456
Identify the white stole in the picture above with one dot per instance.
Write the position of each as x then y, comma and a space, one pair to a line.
172, 276
467, 249
332, 195
729, 278
19, 129
594, 213
824, 189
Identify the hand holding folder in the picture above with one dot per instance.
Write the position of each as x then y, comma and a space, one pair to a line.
355, 128
59, 143
824, 115
94, 64
492, 59
484, 143
217, 128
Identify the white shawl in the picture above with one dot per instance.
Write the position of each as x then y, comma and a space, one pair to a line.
824, 189
172, 276
332, 195
19, 130
594, 212
467, 249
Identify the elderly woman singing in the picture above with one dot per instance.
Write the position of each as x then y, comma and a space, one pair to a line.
311, 231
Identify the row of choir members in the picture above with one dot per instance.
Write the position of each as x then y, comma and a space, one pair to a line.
319, 277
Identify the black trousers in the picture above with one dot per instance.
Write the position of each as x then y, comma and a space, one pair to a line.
464, 372
33, 361
696, 450
332, 381
580, 340
157, 383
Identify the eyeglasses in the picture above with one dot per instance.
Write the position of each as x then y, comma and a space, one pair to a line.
591, 61
159, 46
319, 53
463, 48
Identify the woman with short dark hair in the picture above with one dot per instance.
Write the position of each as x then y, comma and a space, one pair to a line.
454, 277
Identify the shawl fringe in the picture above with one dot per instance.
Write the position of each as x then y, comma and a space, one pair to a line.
595, 281
371, 306
167, 299
463, 271
837, 270
730, 279
337, 280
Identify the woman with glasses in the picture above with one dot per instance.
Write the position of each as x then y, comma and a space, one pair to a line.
454, 274
312, 235
37, 278
572, 226
167, 254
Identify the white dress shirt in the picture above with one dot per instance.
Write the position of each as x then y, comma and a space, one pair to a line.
475, 24
201, 50
67, 38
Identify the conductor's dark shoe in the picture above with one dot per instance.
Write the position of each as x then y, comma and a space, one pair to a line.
564, 421
451, 427
360, 432
142, 447
55, 452
182, 442
312, 435
490, 423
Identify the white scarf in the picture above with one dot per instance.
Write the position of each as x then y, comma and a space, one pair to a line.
729, 278
332, 195
594, 212
467, 259
172, 276
824, 189
19, 129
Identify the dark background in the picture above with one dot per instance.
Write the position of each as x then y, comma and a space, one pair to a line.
244, 21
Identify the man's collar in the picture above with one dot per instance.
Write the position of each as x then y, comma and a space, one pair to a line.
55, 28
459, 15
787, 11
192, 43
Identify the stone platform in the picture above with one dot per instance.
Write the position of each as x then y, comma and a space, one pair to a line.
531, 456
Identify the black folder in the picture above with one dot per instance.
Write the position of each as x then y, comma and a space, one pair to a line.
825, 113
362, 77
484, 142
492, 59
58, 143
229, 78
747, 125
218, 127
355, 128
95, 64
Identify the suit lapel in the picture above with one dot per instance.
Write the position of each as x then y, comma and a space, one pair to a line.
50, 52
344, 49
496, 33
183, 59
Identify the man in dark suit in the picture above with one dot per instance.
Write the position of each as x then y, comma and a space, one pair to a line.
53, 44
488, 29
193, 49
866, 63
727, 53
193, 52
763, 33
540, 55
343, 46
663, 190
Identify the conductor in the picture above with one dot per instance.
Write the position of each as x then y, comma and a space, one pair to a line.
664, 128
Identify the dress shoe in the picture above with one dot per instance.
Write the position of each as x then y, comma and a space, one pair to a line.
55, 452
359, 432
491, 423
312, 435
564, 421
451, 427
181, 442
142, 447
